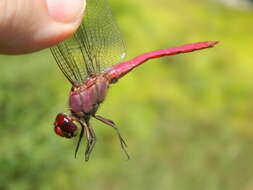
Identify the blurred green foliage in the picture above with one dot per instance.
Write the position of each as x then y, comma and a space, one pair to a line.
188, 119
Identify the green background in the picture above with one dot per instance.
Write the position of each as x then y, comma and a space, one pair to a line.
188, 119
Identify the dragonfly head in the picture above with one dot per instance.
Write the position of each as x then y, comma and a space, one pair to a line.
65, 126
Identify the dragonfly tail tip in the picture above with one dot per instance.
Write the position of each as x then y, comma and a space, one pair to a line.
213, 43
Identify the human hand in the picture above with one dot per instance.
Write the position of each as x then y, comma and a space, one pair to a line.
30, 25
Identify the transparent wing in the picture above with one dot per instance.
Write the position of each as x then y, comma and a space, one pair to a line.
96, 45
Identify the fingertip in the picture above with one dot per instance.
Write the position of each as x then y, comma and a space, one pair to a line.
55, 33
65, 18
38, 25
65, 11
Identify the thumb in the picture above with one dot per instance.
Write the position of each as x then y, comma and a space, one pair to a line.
29, 25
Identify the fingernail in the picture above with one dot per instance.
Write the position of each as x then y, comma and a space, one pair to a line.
66, 11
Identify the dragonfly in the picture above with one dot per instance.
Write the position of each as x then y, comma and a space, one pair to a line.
91, 60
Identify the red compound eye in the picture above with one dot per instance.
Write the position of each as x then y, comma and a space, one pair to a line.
58, 131
60, 118
64, 126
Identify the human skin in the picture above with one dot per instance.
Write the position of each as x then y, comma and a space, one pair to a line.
32, 25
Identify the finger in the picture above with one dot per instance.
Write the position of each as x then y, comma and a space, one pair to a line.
30, 25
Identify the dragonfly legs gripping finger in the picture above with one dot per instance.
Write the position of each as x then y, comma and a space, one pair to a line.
112, 124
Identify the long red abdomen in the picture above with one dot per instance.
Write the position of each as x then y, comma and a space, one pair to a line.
119, 70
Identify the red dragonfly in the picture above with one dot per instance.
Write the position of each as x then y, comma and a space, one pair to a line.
91, 61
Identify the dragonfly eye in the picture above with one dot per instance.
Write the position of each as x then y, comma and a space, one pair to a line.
64, 126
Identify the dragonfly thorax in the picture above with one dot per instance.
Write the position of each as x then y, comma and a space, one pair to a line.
84, 100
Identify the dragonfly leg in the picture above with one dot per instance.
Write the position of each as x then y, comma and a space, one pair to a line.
91, 141
80, 138
88, 143
112, 124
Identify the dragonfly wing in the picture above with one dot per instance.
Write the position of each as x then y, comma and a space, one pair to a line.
96, 44
68, 56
